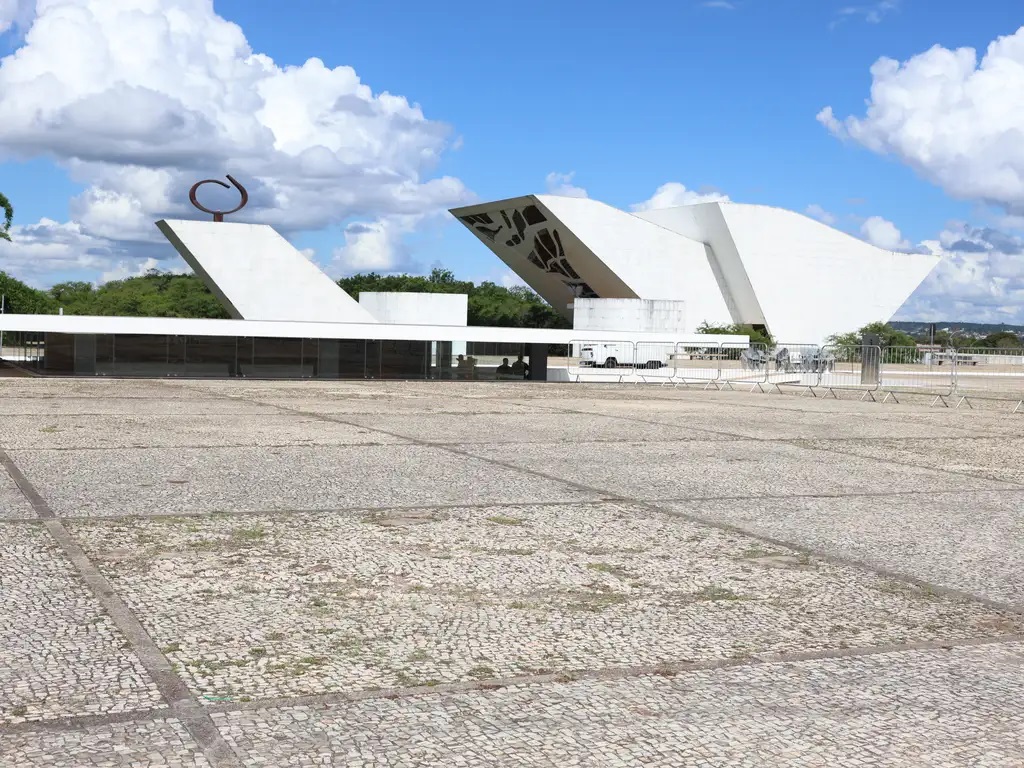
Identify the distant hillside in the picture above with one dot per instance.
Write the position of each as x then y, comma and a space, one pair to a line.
978, 330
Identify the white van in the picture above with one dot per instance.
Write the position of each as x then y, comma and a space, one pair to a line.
624, 355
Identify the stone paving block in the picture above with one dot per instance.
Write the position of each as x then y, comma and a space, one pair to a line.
553, 580
160, 743
60, 654
166, 480
98, 388
536, 427
345, 404
272, 605
965, 541
187, 431
48, 407
720, 468
13, 503
781, 424
942, 709
999, 457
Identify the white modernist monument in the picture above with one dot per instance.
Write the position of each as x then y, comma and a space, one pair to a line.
729, 262
258, 275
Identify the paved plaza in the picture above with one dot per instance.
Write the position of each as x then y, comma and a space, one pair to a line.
225, 573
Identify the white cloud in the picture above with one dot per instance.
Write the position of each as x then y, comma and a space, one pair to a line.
872, 13
138, 99
135, 268
511, 280
673, 194
48, 245
375, 246
15, 13
884, 234
815, 211
561, 184
980, 278
725, 5
957, 122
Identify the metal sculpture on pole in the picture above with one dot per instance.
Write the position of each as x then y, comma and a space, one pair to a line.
218, 215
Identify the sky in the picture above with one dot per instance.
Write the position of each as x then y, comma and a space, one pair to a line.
356, 124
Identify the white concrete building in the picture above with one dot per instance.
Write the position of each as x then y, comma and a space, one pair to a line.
404, 308
290, 320
644, 315
728, 262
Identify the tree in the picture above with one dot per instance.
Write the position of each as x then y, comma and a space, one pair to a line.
489, 304
888, 336
8, 209
1002, 340
757, 335
24, 300
74, 297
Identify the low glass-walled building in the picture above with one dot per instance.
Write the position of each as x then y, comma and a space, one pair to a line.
134, 355
63, 345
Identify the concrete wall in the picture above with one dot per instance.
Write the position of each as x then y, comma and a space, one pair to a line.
803, 279
646, 315
258, 275
729, 262
566, 248
417, 308
812, 280
655, 263
705, 223
421, 309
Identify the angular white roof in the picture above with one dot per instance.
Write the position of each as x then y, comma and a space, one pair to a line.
729, 262
800, 277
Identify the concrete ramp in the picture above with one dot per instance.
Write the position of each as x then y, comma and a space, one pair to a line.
258, 275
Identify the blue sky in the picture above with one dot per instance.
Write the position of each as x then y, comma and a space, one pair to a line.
626, 97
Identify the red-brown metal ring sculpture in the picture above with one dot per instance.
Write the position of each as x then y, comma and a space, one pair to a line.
218, 215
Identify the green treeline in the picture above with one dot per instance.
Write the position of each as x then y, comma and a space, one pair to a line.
162, 294
892, 337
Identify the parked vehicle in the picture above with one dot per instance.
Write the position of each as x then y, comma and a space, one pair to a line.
623, 355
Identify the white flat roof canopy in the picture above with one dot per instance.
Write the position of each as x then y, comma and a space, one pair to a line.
179, 326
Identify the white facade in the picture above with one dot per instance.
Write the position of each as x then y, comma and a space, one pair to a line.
419, 308
416, 308
644, 315
729, 262
258, 275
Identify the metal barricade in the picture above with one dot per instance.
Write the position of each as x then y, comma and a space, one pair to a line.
911, 371
652, 362
744, 364
696, 364
855, 368
989, 374
600, 361
790, 365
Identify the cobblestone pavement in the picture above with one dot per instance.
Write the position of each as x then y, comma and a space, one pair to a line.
363, 574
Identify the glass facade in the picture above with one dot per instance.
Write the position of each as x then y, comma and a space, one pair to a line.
129, 355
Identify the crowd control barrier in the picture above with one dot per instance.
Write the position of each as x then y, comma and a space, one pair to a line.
912, 371
989, 374
945, 376
600, 361
744, 365
697, 364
